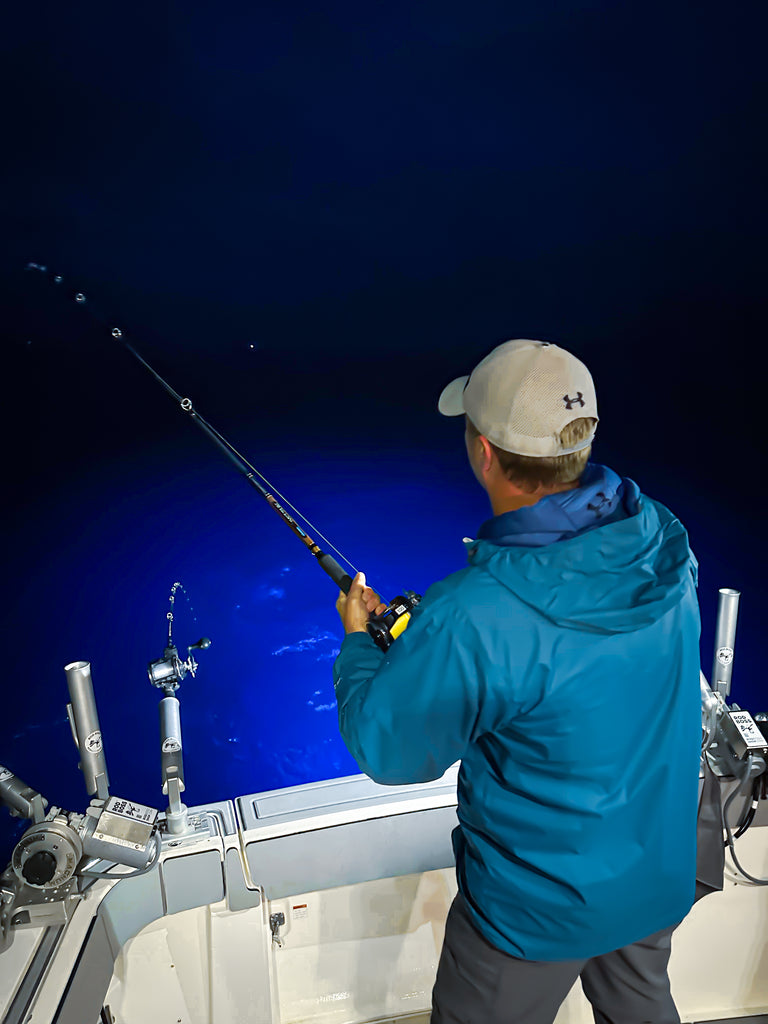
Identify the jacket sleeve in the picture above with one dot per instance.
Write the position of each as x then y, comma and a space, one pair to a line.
408, 714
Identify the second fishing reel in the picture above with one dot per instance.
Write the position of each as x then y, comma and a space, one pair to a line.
167, 672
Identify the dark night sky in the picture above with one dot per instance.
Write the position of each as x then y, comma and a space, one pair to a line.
312, 217
379, 193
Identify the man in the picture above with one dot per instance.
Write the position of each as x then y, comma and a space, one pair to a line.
561, 666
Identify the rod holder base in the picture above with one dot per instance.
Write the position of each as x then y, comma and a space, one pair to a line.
177, 822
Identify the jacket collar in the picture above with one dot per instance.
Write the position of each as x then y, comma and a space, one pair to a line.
601, 497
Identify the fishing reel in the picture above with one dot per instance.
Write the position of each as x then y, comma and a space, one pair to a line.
167, 672
388, 626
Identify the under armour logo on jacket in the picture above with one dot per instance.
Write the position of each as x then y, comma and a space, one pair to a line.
598, 508
570, 402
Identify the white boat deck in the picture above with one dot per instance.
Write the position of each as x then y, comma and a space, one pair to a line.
363, 878
369, 952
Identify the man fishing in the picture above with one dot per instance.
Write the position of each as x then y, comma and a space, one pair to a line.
561, 667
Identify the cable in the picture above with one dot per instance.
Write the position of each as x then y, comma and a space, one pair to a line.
749, 818
759, 792
216, 821
750, 808
729, 841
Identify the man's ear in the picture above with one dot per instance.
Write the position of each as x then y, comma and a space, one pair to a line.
488, 453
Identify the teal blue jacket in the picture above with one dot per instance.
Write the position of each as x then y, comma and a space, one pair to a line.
564, 675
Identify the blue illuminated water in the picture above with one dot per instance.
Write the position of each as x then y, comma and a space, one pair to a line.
94, 559
95, 564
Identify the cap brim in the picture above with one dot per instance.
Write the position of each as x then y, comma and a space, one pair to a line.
451, 401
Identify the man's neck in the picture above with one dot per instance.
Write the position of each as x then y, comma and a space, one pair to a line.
505, 499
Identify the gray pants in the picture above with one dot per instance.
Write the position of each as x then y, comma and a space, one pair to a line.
479, 984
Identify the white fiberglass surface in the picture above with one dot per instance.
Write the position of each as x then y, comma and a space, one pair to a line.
369, 952
362, 952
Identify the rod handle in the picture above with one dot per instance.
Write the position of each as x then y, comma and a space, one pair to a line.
329, 564
21, 799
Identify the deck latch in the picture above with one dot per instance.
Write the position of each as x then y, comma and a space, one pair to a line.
276, 922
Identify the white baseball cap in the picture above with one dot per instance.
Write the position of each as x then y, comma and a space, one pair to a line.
522, 395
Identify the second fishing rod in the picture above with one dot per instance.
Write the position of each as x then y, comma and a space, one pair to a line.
383, 628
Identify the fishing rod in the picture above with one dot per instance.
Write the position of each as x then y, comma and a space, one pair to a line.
383, 628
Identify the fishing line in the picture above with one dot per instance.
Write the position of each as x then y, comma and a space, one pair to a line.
383, 628
284, 500
118, 335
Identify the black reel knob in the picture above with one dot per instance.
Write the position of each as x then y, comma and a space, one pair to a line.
39, 868
379, 631
385, 628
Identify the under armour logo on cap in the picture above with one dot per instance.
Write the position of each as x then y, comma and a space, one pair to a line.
570, 402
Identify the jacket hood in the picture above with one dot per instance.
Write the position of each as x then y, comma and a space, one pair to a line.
619, 572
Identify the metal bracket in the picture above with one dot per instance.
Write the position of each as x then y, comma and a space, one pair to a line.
276, 922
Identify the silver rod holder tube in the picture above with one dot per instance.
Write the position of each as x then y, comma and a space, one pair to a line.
172, 760
21, 799
93, 763
725, 637
171, 754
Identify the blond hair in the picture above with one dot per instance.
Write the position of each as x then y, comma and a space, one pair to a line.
530, 473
